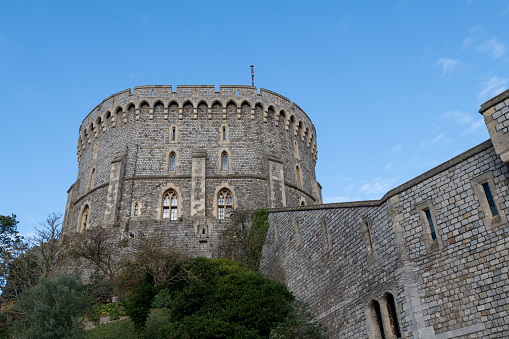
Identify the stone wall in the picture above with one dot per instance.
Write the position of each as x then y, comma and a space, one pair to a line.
343, 258
125, 145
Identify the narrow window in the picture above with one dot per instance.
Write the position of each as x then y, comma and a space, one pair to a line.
489, 197
136, 210
224, 133
170, 204
172, 162
173, 134
224, 162
378, 316
391, 309
84, 218
430, 223
224, 204
297, 171
367, 228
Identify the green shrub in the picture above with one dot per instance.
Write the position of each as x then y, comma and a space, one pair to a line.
52, 309
138, 302
217, 298
113, 310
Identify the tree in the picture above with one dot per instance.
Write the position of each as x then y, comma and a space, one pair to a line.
243, 237
48, 245
16, 269
98, 248
52, 309
9, 236
138, 302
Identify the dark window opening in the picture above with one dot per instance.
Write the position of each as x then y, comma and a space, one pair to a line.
224, 133
391, 308
173, 134
430, 223
489, 197
378, 314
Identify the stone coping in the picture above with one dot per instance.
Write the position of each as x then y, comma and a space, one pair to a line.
493, 101
413, 182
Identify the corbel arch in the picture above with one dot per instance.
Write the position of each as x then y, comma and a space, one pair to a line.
301, 130
188, 108
158, 103
107, 119
98, 122
174, 111
232, 108
292, 125
119, 112
246, 109
203, 109
284, 113
270, 113
259, 109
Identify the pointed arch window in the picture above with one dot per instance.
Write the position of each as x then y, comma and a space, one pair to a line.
170, 204
224, 162
224, 204
84, 218
172, 162
173, 134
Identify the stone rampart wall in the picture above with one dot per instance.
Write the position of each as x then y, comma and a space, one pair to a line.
341, 258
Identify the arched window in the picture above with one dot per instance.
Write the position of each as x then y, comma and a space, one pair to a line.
303, 203
172, 161
173, 134
136, 210
170, 203
297, 173
224, 133
224, 204
84, 218
224, 162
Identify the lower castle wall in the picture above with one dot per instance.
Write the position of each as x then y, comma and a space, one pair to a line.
454, 286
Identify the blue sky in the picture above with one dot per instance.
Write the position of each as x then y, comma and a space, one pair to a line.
393, 87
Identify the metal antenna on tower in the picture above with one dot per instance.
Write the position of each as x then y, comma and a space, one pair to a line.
252, 76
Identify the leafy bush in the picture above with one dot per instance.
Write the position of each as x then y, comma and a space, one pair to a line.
137, 303
217, 298
113, 310
52, 309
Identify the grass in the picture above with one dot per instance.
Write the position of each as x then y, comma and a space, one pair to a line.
125, 329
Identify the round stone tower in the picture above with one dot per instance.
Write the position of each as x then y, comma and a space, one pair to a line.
182, 161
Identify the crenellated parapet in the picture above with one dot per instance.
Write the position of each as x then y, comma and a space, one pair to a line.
212, 151
194, 102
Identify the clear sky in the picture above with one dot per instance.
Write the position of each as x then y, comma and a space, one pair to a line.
393, 87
